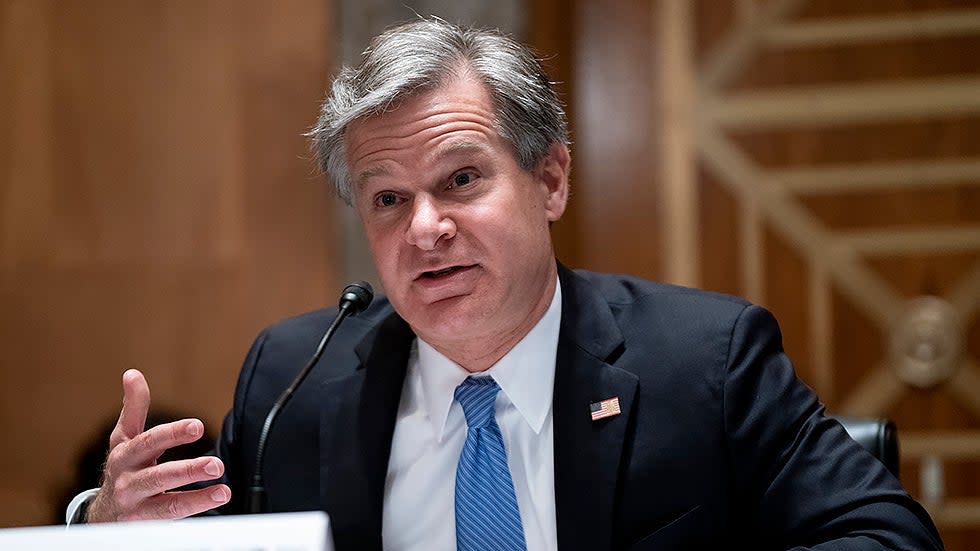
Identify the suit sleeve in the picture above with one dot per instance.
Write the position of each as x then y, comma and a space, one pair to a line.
814, 487
229, 444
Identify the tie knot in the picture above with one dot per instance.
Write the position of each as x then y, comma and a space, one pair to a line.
477, 396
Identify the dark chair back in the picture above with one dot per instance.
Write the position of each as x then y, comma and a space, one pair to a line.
878, 436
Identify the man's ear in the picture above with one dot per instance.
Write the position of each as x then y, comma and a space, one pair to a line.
552, 173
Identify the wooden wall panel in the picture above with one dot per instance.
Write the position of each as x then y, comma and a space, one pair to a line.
551, 31
887, 170
861, 365
613, 184
157, 208
718, 215
847, 8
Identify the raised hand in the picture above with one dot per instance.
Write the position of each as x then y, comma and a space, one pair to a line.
134, 486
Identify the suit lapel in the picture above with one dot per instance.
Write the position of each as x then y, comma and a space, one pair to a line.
587, 453
356, 427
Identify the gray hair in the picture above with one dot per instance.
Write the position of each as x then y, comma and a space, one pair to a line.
419, 56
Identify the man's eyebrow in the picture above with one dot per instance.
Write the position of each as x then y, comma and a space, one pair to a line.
465, 146
370, 173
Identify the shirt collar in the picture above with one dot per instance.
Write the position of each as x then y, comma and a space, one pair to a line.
526, 374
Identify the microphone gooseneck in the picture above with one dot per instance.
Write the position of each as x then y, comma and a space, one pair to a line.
353, 299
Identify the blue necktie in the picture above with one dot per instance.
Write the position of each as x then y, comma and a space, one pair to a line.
487, 516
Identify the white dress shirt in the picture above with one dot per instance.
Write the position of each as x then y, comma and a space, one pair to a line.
419, 500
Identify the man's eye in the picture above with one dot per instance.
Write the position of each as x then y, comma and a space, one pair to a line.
463, 178
386, 200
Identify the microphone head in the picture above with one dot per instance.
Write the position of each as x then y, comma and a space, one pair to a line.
356, 297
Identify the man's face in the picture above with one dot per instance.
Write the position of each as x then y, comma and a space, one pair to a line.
459, 232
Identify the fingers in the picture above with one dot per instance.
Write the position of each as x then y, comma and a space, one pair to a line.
132, 488
144, 449
136, 403
175, 505
145, 493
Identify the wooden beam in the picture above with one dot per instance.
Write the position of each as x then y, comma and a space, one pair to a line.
902, 241
875, 30
876, 176
735, 50
747, 11
821, 331
750, 246
799, 227
956, 513
838, 105
875, 394
682, 245
961, 445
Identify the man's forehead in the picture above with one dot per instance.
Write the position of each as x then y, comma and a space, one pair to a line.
452, 119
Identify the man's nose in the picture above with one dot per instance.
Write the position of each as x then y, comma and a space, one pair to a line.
429, 224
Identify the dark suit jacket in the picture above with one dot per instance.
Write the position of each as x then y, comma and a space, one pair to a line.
718, 444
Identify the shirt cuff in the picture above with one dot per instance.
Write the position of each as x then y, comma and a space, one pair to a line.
75, 513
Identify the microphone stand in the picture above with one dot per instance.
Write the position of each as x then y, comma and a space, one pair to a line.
354, 299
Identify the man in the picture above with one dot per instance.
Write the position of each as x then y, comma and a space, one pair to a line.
613, 413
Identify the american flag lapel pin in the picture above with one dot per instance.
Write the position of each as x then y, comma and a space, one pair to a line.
605, 408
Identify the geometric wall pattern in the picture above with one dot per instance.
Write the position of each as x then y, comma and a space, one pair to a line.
924, 336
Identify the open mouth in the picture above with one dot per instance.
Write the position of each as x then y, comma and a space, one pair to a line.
444, 272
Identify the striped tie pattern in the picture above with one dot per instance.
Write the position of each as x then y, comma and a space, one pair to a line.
487, 516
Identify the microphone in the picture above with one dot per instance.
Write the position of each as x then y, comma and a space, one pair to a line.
353, 299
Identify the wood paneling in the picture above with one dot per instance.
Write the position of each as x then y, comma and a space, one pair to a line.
551, 32
616, 140
859, 348
771, 192
157, 208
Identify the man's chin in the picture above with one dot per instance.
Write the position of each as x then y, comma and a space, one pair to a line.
446, 320
442, 309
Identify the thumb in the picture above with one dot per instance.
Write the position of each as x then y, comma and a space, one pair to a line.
136, 404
